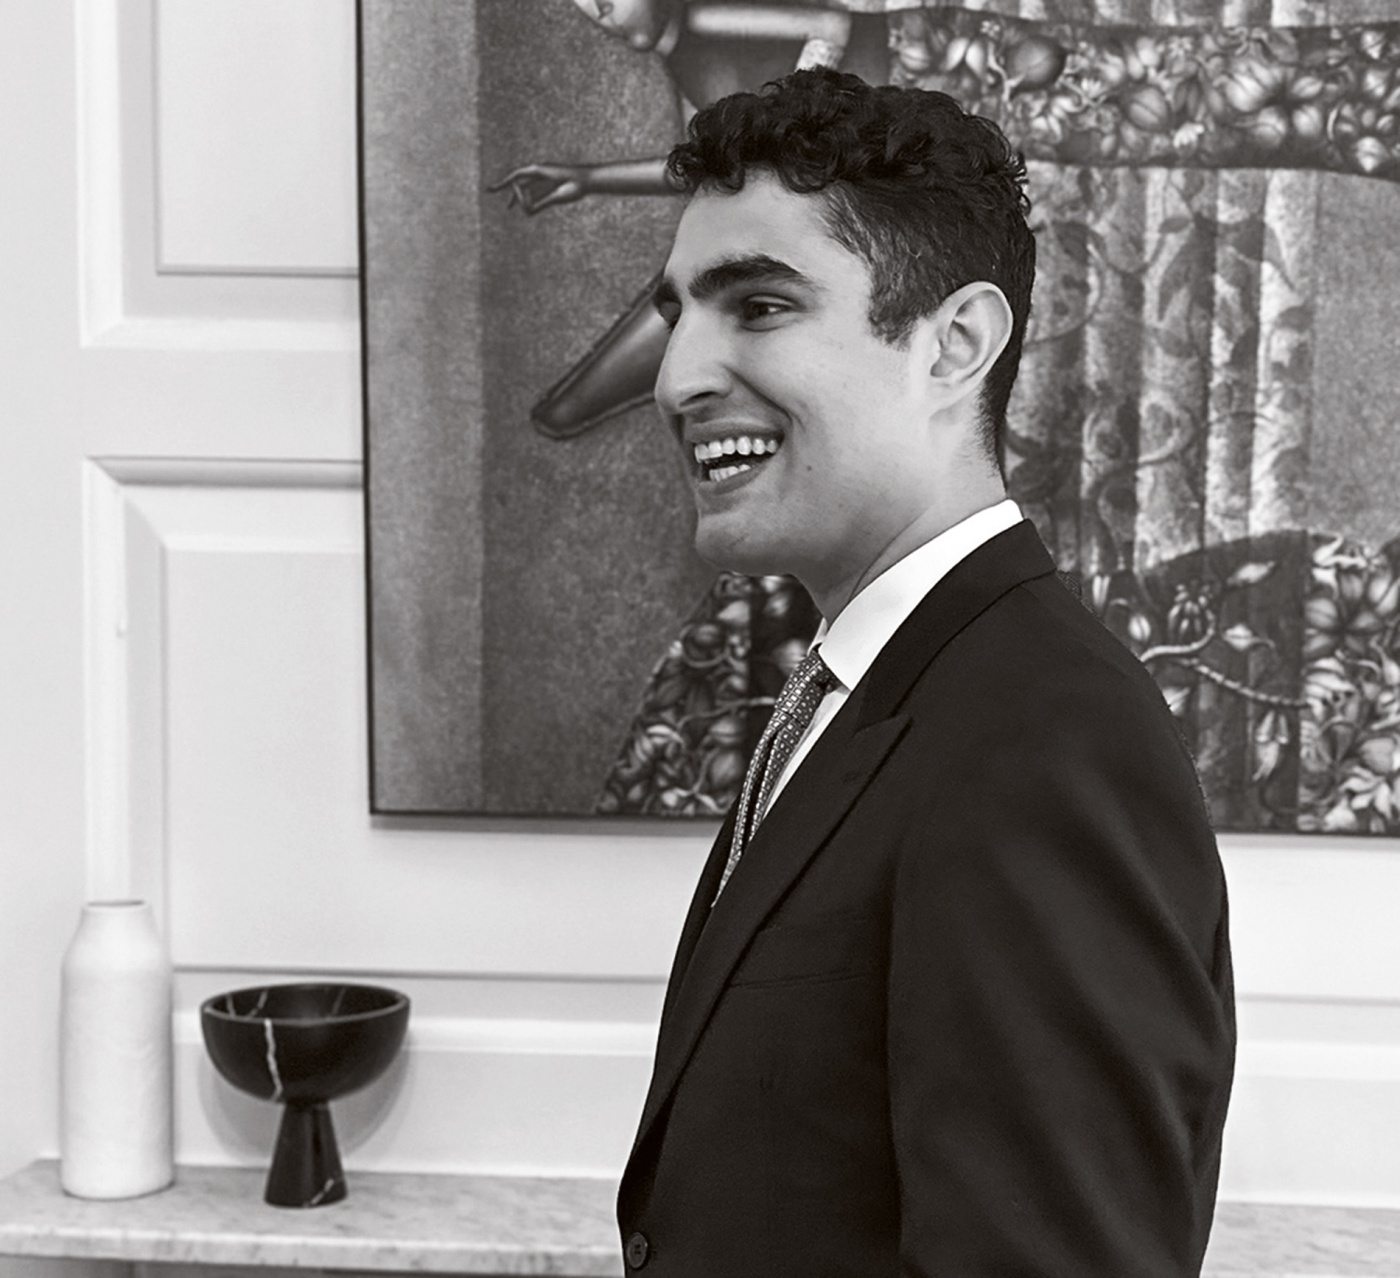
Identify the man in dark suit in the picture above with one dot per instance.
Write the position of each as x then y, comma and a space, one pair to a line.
953, 997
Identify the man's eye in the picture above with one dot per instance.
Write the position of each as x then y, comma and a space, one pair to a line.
670, 315
756, 309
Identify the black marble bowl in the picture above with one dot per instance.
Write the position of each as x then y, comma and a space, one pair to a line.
304, 1046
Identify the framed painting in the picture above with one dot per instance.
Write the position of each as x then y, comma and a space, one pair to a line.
1202, 430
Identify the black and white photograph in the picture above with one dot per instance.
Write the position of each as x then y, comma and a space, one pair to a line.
700, 638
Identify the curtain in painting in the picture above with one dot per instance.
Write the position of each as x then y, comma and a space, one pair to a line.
1161, 426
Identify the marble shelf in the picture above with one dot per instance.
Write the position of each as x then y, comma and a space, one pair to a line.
401, 1223
390, 1222
1257, 1240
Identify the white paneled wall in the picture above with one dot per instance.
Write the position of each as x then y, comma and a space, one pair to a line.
230, 787
191, 480
268, 87
226, 743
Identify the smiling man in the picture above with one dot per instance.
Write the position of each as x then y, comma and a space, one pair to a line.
953, 996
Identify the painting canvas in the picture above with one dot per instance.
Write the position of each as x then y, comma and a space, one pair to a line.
1203, 429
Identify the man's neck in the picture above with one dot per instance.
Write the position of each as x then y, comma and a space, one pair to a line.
831, 599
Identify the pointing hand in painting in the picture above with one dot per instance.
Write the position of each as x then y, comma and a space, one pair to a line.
539, 186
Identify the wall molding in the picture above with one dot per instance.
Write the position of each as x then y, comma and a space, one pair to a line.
281, 201
100, 220
124, 574
551, 1097
499, 1035
1320, 1059
487, 1096
194, 333
127, 300
230, 472
107, 690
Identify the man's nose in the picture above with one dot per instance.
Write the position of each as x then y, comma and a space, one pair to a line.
695, 366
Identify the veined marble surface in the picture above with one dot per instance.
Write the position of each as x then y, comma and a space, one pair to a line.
390, 1222
404, 1223
1256, 1240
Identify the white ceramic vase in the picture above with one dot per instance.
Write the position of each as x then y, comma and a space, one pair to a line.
115, 1120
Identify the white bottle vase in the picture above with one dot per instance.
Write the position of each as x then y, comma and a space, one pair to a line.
115, 1119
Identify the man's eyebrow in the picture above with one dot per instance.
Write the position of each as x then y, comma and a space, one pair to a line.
748, 269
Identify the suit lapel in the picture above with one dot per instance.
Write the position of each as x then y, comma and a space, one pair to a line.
699, 911
841, 765
968, 590
819, 794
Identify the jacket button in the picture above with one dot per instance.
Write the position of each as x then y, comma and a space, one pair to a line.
637, 1250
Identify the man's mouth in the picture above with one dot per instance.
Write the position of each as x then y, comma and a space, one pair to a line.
720, 459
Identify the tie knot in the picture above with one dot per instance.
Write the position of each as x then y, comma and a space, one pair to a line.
812, 673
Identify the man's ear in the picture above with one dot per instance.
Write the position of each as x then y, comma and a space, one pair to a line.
967, 335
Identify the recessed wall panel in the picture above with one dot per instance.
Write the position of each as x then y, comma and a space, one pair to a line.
271, 855
255, 136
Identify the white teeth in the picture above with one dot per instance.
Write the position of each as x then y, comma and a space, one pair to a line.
724, 472
737, 446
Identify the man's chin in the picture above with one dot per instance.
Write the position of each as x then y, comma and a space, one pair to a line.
721, 548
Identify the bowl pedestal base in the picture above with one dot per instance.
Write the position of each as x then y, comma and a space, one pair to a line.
306, 1169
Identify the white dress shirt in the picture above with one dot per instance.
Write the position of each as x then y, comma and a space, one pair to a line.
851, 643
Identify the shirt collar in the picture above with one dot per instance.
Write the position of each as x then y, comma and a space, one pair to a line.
851, 643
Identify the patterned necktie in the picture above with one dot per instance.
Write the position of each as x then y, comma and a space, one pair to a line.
792, 712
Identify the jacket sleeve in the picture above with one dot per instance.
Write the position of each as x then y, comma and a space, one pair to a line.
1060, 1028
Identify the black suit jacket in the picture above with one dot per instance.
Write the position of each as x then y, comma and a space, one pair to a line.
965, 1007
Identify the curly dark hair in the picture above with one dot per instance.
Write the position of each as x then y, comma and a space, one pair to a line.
928, 196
